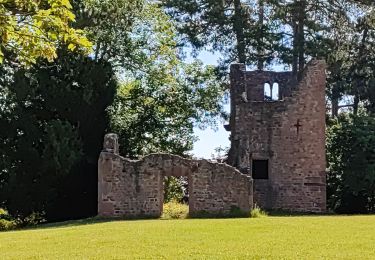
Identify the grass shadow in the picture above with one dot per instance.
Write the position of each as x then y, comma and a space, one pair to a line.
283, 213
83, 222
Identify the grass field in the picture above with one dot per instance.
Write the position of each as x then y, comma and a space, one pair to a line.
327, 237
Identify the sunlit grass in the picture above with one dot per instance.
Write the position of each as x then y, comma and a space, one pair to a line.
325, 237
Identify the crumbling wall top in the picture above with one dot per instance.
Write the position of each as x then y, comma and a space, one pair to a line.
111, 144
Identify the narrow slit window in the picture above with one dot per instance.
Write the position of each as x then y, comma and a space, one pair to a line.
260, 169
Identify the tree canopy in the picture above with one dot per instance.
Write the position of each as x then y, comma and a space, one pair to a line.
31, 29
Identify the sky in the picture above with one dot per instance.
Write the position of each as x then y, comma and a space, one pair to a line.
210, 139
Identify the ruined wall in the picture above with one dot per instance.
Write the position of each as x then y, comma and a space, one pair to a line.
289, 133
129, 188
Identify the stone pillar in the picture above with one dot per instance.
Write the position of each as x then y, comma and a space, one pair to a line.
106, 204
111, 144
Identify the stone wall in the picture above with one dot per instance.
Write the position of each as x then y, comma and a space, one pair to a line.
129, 188
289, 133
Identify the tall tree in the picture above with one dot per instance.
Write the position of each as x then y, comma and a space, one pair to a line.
305, 26
351, 163
159, 104
351, 56
240, 30
160, 98
51, 136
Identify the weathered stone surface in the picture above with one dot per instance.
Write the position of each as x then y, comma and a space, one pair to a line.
289, 133
111, 143
130, 188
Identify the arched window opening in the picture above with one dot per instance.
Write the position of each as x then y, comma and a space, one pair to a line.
267, 92
275, 92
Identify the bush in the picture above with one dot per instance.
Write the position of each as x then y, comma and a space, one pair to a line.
7, 225
6, 221
257, 212
175, 210
5, 215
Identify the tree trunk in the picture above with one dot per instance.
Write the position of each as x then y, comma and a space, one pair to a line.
358, 81
301, 35
295, 45
335, 107
356, 104
238, 30
298, 23
260, 47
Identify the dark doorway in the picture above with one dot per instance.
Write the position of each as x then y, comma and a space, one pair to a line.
260, 169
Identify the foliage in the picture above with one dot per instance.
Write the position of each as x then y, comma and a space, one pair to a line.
257, 212
175, 210
351, 164
351, 59
4, 214
35, 165
221, 154
6, 225
158, 104
174, 189
51, 135
159, 116
109, 25
6, 221
289, 33
239, 30
32, 29
246, 238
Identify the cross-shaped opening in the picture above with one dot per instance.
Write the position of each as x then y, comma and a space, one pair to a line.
298, 126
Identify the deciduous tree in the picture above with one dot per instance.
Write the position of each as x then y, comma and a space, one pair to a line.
31, 29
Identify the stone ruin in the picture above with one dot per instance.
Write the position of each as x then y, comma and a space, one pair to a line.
135, 188
277, 129
277, 154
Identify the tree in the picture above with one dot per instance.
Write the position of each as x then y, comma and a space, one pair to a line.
241, 30
110, 26
351, 164
32, 29
351, 56
51, 135
160, 98
158, 113
158, 104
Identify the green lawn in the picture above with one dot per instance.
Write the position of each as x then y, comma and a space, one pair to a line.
325, 237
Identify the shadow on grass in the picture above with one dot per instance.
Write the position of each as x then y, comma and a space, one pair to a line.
100, 220
281, 213
82, 222
200, 215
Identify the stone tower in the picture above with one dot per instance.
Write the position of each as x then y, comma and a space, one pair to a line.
278, 135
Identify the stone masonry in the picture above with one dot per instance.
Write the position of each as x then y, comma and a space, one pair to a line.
134, 188
281, 142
